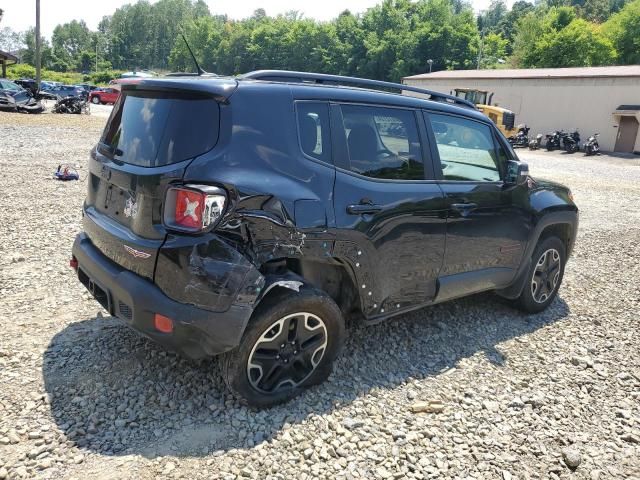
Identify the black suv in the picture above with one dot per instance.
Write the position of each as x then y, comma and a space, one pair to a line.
250, 216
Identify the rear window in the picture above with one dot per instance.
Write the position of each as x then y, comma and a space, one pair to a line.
151, 129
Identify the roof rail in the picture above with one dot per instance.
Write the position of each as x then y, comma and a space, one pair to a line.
322, 78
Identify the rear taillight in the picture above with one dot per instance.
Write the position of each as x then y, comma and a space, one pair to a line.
194, 208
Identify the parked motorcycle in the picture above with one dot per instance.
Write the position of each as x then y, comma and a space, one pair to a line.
591, 147
76, 105
571, 142
535, 143
554, 140
521, 139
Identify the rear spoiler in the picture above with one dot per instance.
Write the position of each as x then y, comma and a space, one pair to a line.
219, 88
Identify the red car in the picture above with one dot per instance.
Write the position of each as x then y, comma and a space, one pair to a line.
104, 95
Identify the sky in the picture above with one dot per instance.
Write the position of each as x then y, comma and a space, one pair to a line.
20, 14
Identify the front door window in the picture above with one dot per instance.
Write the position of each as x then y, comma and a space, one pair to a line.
466, 148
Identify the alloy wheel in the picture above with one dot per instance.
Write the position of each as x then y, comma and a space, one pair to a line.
287, 353
545, 276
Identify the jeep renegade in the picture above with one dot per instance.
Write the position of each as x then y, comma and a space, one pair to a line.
250, 216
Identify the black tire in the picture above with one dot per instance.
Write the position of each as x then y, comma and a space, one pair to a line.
532, 300
236, 369
95, 100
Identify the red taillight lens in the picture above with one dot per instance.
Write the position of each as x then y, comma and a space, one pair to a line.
189, 205
194, 208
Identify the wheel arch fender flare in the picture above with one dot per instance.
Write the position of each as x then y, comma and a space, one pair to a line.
286, 281
548, 221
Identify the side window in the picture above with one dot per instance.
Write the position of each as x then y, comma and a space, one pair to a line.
383, 142
467, 149
313, 128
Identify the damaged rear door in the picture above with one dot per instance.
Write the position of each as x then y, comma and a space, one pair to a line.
150, 138
386, 205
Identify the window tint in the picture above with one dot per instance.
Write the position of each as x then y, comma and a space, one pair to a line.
152, 129
313, 127
466, 148
383, 142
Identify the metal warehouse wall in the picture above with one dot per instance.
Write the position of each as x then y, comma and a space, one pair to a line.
555, 103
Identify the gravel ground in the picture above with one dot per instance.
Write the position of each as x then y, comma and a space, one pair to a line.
555, 395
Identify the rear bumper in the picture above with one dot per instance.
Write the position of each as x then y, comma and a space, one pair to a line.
197, 332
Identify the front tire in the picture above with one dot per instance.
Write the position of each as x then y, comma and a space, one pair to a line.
544, 276
95, 100
289, 345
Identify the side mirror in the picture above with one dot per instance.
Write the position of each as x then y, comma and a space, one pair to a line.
517, 173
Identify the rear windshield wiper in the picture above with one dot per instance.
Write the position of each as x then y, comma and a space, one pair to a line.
111, 149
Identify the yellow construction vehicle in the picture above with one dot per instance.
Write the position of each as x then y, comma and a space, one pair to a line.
503, 118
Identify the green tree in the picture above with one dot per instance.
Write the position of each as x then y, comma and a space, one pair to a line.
29, 53
596, 10
388, 41
579, 44
494, 49
69, 41
623, 28
10, 40
490, 19
507, 26
529, 29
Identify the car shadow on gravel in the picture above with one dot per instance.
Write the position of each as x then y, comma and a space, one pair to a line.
115, 393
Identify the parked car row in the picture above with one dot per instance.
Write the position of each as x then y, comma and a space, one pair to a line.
55, 90
23, 96
556, 140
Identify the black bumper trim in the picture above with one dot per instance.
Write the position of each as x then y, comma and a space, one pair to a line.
197, 333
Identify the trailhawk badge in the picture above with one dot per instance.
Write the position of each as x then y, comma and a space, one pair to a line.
136, 253
130, 208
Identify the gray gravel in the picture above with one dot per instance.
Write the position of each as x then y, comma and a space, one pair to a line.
466, 390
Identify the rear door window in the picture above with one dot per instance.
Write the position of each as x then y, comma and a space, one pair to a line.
152, 129
383, 142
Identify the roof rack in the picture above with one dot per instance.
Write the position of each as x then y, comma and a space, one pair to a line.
322, 78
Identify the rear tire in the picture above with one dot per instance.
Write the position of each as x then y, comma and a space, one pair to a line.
95, 100
544, 276
294, 337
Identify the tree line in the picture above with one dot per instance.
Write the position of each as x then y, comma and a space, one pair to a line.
389, 41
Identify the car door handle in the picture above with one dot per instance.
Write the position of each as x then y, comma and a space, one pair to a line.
464, 209
363, 209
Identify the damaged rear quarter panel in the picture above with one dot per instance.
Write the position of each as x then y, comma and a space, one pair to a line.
207, 272
279, 205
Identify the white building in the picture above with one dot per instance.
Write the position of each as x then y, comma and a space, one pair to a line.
595, 99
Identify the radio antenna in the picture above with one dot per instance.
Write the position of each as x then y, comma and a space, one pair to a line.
198, 67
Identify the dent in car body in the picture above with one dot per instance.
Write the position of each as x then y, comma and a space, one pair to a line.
207, 272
